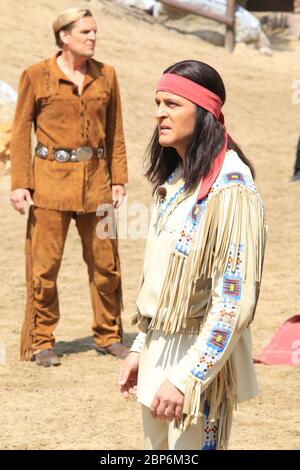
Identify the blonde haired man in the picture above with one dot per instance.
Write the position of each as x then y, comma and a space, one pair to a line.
73, 101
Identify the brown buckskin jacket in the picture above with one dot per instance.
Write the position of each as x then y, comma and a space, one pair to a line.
62, 118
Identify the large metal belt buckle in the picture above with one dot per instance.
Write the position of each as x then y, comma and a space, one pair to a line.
61, 156
84, 153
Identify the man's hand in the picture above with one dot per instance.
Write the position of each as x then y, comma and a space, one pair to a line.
18, 198
118, 194
168, 402
127, 382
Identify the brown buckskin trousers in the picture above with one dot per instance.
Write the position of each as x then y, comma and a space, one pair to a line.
46, 234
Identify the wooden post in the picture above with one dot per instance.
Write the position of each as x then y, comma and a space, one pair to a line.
230, 29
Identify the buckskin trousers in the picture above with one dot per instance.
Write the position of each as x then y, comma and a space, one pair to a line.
45, 238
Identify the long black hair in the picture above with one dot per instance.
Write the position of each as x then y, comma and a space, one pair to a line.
205, 142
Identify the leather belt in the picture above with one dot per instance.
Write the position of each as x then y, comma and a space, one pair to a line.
193, 325
81, 154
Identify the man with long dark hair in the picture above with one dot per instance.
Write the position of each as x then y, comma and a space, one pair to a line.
192, 361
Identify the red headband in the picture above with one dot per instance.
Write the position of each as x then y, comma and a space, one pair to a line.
190, 90
208, 100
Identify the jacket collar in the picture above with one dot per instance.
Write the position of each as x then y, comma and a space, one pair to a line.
57, 75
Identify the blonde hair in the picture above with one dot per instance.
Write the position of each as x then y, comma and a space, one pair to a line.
66, 21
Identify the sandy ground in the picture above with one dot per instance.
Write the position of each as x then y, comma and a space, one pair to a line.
77, 405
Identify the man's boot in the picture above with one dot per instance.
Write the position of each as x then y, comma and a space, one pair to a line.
47, 358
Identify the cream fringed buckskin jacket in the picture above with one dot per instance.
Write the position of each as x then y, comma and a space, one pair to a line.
203, 266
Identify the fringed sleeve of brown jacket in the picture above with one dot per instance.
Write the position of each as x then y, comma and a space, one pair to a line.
63, 119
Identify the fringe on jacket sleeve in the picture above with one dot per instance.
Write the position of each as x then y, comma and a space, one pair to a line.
229, 249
